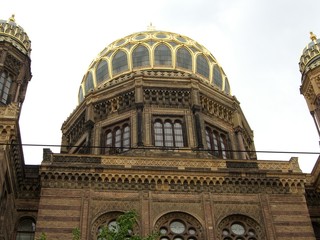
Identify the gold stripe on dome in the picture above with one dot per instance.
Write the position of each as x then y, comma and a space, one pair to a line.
13, 33
152, 39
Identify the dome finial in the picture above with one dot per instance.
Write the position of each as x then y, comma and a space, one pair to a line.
11, 19
151, 27
313, 37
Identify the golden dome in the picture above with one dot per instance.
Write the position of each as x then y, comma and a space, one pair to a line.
13, 33
156, 50
310, 57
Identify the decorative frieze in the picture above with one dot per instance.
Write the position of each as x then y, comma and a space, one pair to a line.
13, 63
76, 130
119, 103
213, 108
167, 97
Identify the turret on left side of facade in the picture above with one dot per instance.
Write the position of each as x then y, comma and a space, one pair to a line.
18, 205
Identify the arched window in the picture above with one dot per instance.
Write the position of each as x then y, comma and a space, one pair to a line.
5, 85
217, 78
102, 72
162, 55
89, 83
202, 66
117, 138
140, 57
109, 220
119, 62
226, 86
26, 228
184, 59
179, 226
168, 133
80, 95
239, 227
217, 143
158, 134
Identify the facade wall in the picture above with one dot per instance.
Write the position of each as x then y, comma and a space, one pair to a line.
280, 216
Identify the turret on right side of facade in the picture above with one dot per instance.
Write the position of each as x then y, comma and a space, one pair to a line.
310, 79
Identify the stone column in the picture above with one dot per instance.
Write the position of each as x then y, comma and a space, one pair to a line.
198, 126
242, 149
139, 124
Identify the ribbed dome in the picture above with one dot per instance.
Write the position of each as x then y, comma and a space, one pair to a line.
157, 50
311, 55
13, 33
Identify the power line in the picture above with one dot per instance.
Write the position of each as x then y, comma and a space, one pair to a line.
156, 148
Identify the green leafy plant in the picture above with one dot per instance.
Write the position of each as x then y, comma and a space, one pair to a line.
43, 236
123, 230
76, 235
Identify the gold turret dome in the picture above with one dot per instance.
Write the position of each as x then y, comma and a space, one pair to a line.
13, 33
310, 57
156, 50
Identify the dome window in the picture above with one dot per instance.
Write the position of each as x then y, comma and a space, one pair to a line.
102, 72
5, 85
184, 58
140, 57
162, 55
181, 39
226, 86
80, 95
202, 66
89, 83
217, 78
119, 62
140, 37
120, 42
161, 35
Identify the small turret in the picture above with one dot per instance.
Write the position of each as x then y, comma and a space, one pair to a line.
15, 73
310, 79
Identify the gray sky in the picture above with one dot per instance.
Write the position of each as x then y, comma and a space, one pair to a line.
257, 42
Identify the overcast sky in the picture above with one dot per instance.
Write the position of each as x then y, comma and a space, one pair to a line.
257, 42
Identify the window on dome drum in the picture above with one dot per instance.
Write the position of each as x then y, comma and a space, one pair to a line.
184, 59
89, 83
102, 72
5, 85
168, 133
119, 62
140, 57
117, 138
217, 143
26, 229
202, 66
162, 55
217, 78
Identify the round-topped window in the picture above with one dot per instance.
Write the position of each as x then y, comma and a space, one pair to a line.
120, 42
140, 37
181, 39
177, 227
161, 35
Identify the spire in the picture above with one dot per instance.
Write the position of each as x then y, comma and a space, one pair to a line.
11, 19
313, 37
151, 27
